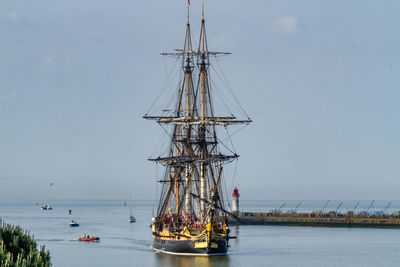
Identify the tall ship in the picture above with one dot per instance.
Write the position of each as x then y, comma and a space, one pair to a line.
192, 213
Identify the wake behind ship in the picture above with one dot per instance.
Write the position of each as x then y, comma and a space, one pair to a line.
191, 217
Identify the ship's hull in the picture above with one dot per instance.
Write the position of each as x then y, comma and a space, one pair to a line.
187, 247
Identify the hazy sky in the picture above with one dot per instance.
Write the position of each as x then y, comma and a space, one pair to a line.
320, 79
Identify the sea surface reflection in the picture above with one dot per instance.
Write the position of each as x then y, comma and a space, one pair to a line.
163, 259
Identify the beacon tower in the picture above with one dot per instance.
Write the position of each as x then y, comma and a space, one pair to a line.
235, 200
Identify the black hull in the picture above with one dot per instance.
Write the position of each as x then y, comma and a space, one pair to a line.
186, 247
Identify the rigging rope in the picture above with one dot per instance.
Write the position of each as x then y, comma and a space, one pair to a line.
222, 98
230, 139
230, 88
156, 182
158, 146
216, 38
162, 88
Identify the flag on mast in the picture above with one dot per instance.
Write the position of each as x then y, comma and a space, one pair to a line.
189, 2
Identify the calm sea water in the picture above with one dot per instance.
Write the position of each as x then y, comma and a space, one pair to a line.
126, 244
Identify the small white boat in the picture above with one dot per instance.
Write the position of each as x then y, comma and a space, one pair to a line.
46, 207
132, 219
73, 224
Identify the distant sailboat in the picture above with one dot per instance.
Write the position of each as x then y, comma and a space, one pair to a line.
131, 218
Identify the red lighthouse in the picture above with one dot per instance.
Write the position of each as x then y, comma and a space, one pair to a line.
235, 200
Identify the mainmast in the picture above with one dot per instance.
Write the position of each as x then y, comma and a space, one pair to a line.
188, 67
203, 195
203, 63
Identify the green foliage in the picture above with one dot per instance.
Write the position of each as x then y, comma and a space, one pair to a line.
18, 249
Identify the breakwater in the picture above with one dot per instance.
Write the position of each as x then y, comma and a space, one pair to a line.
318, 219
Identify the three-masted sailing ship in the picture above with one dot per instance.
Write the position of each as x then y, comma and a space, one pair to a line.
191, 217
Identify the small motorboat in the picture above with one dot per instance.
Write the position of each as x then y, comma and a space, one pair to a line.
89, 239
46, 207
73, 224
132, 219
